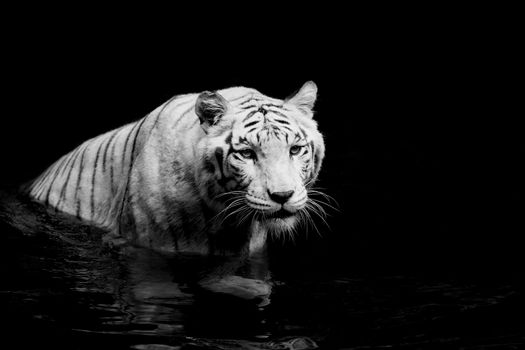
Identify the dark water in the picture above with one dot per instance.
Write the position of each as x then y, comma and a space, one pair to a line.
61, 289
425, 150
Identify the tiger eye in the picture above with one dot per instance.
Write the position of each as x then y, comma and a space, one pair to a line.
247, 153
294, 150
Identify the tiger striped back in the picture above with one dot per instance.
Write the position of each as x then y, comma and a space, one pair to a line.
86, 181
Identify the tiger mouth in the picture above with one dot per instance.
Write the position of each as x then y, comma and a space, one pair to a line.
279, 214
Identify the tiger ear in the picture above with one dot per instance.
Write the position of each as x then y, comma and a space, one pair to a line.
305, 98
210, 107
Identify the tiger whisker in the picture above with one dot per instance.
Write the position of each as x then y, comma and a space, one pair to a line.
330, 199
311, 221
246, 214
302, 222
315, 211
292, 232
224, 218
234, 212
229, 194
224, 211
319, 208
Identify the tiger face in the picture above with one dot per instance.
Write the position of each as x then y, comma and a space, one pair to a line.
263, 154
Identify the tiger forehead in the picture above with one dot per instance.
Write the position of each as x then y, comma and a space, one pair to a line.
255, 100
260, 139
258, 128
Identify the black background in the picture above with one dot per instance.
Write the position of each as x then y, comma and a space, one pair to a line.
424, 146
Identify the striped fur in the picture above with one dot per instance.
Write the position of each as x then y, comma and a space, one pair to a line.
196, 166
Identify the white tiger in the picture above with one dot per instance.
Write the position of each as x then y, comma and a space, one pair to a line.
210, 172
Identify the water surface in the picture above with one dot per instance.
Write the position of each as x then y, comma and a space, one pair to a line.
61, 289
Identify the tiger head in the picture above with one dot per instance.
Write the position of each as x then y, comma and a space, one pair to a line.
260, 155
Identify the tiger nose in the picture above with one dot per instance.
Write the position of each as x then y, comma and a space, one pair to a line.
280, 197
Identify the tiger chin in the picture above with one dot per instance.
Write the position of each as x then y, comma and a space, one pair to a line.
212, 173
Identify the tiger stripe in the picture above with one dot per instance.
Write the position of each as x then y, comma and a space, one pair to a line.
93, 180
108, 143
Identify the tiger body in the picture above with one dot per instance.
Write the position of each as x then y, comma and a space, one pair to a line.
200, 170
